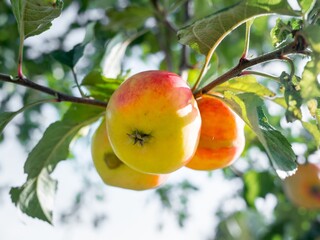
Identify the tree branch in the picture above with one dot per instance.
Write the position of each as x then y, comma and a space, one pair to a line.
293, 47
59, 96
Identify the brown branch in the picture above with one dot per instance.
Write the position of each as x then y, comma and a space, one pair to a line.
293, 47
59, 96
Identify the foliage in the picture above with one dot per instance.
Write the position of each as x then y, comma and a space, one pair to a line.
209, 48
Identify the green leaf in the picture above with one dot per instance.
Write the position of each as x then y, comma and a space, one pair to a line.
310, 83
52, 148
313, 106
313, 37
257, 184
35, 16
100, 87
247, 83
314, 130
313, 15
310, 86
115, 52
281, 31
36, 196
306, 5
313, 127
292, 96
90, 33
280, 101
316, 113
129, 18
245, 224
207, 33
279, 150
6, 117
71, 57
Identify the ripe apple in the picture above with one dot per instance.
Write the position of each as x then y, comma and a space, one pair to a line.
154, 122
303, 188
113, 171
222, 135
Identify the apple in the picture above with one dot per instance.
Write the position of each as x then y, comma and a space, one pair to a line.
153, 122
113, 171
303, 188
222, 135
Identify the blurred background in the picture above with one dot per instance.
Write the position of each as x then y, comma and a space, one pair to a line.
244, 201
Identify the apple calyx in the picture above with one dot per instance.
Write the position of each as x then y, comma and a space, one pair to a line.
112, 161
139, 137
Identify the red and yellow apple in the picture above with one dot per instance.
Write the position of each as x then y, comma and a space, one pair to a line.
303, 188
153, 122
113, 171
222, 135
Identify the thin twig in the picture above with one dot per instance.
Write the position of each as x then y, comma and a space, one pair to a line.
59, 96
293, 47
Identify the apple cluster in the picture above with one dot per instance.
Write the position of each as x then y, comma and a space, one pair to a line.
154, 126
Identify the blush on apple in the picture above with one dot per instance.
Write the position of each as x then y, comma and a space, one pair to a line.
222, 135
303, 188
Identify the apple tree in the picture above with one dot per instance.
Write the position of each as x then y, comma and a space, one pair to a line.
259, 57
